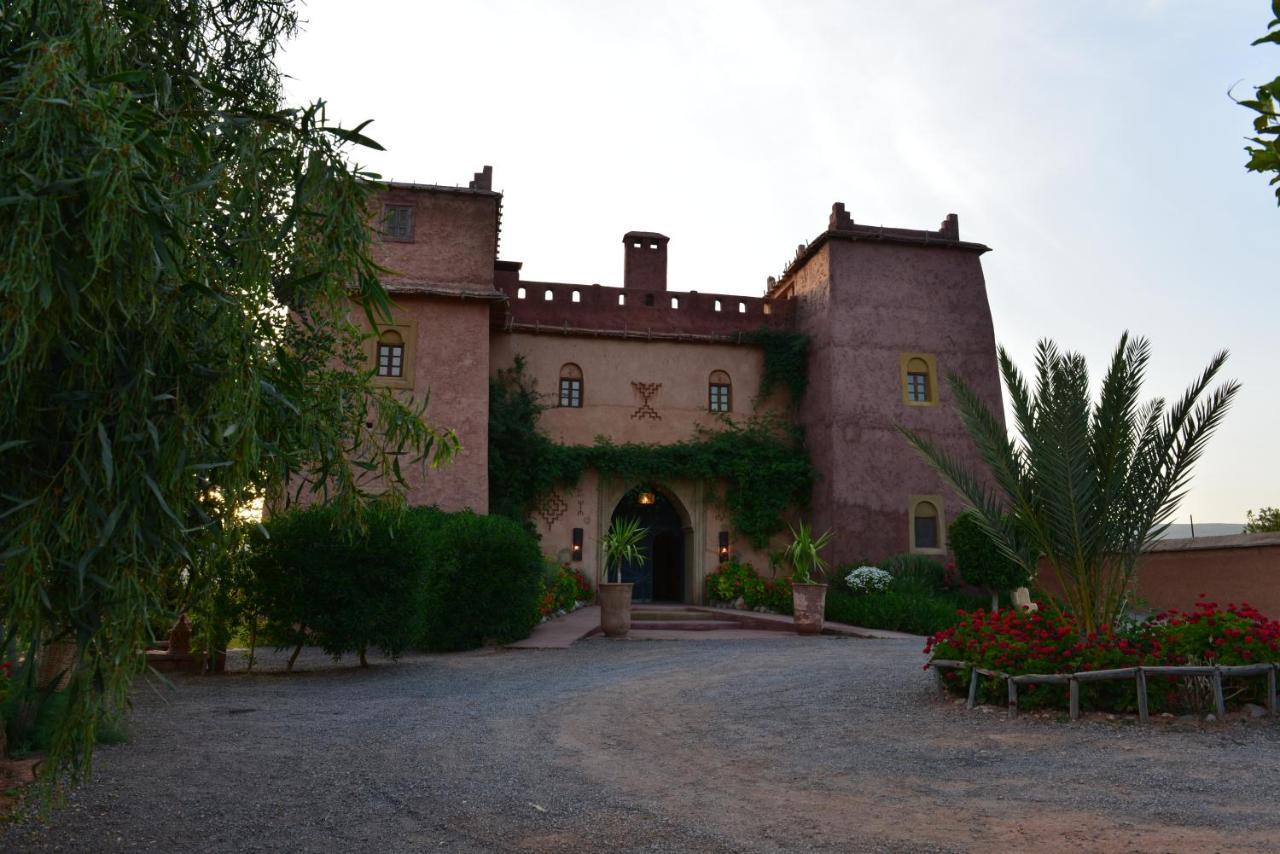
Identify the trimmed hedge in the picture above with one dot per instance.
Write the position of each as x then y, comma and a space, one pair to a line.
318, 580
483, 582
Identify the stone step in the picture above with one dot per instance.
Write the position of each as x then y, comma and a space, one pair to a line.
675, 614
684, 625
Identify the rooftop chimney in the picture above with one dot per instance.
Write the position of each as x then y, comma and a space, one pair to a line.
645, 261
483, 180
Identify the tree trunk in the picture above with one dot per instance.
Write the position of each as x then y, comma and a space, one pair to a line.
289, 667
364, 662
995, 601
253, 644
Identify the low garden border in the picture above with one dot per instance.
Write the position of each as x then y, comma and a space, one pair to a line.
1138, 674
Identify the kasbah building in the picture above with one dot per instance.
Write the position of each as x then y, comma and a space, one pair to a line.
889, 313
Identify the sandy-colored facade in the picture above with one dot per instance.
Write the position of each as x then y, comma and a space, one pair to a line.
888, 312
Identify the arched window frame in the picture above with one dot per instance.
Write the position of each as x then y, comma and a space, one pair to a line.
393, 339
719, 393
917, 370
571, 386
919, 508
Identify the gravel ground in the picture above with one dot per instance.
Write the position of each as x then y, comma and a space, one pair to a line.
807, 744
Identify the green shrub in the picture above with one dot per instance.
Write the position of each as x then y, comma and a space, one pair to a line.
915, 574
737, 579
980, 560
563, 587
321, 580
898, 611
483, 582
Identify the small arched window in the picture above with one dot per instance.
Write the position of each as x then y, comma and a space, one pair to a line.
390, 354
622, 299
926, 525
717, 305
919, 388
576, 297
571, 386
548, 296
742, 308
648, 299
719, 392
675, 302
521, 293
768, 309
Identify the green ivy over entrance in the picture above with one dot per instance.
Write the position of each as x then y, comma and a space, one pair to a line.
762, 462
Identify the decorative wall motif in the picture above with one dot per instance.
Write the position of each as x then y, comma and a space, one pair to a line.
551, 508
646, 392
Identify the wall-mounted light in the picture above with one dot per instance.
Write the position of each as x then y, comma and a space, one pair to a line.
577, 544
646, 497
724, 546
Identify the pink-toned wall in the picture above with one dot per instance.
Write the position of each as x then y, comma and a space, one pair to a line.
866, 303
1232, 569
451, 363
610, 401
455, 238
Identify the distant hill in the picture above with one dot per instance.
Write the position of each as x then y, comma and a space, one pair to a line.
1181, 530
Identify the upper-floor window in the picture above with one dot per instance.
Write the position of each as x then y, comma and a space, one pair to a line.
397, 222
571, 386
719, 392
390, 354
919, 379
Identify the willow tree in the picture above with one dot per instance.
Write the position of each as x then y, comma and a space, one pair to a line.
1264, 149
179, 256
1086, 486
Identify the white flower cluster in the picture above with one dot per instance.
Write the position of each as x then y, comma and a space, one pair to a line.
868, 579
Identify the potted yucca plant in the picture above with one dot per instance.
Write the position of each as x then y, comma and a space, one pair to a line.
621, 545
808, 596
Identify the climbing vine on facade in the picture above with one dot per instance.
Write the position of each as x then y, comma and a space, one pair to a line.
786, 360
761, 462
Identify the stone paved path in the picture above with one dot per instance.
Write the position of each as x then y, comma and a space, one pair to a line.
780, 744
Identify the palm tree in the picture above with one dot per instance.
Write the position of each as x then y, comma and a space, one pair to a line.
622, 545
1086, 485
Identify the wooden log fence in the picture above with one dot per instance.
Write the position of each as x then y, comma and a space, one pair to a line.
1214, 673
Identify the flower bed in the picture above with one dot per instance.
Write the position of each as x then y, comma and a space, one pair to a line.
1018, 643
566, 589
737, 580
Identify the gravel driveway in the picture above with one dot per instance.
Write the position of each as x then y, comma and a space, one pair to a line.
780, 744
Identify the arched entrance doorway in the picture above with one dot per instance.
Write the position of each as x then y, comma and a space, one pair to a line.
660, 577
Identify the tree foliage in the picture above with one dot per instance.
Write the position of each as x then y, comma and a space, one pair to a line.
1264, 149
179, 251
980, 559
1263, 520
1087, 485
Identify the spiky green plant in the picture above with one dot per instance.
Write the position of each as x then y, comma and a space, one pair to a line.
621, 545
1085, 485
805, 554
180, 254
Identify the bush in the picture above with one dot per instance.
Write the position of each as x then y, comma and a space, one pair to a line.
893, 610
862, 580
483, 582
980, 560
736, 579
563, 588
318, 579
1015, 642
916, 574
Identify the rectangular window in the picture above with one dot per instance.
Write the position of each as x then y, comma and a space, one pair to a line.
397, 222
390, 360
918, 388
571, 392
719, 397
926, 532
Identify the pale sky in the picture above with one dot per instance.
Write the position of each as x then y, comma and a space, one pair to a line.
1092, 145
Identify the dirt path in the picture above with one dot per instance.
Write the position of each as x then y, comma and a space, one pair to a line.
793, 745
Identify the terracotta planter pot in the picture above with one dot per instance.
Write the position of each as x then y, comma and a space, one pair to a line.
810, 603
615, 609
